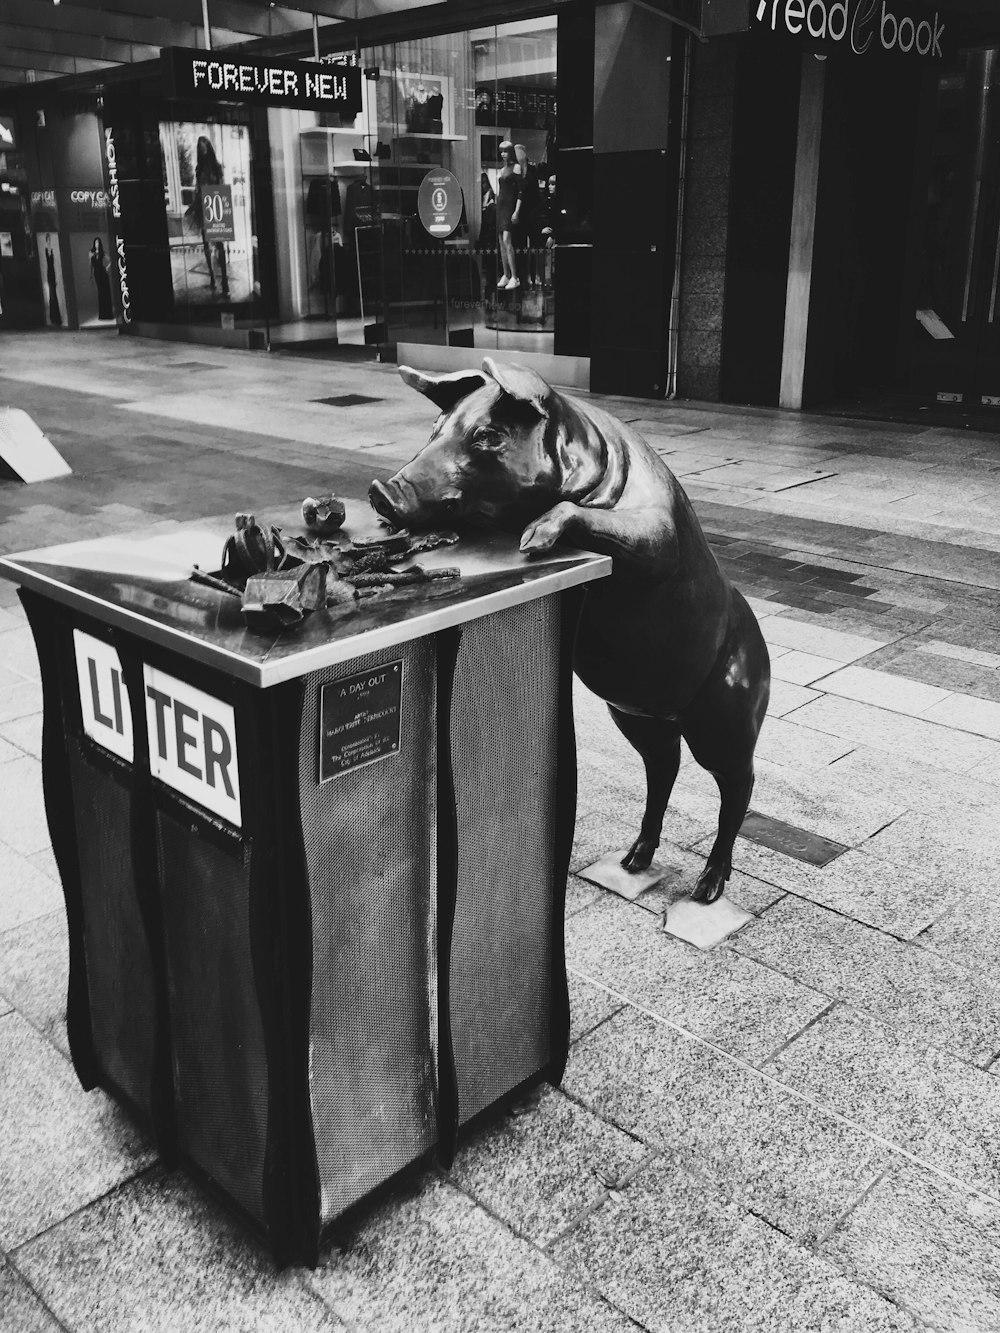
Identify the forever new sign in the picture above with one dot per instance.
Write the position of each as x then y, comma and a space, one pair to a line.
291, 83
862, 27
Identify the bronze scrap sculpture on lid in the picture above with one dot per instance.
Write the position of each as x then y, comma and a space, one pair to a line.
667, 641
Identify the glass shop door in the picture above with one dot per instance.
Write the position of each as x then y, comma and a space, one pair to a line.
956, 333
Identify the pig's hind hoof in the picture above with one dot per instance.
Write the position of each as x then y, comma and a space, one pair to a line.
639, 855
710, 887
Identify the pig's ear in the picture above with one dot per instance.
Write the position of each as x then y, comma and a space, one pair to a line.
445, 390
521, 383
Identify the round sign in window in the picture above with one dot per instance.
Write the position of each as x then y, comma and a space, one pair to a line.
439, 202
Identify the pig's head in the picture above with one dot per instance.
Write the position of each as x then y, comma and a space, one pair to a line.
490, 458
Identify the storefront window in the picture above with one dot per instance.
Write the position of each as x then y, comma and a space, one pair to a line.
206, 184
360, 262
955, 336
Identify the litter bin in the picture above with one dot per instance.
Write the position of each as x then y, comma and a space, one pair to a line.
314, 882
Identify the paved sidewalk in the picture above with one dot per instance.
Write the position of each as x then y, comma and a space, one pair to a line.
793, 1130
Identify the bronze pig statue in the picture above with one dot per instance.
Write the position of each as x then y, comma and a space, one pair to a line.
667, 641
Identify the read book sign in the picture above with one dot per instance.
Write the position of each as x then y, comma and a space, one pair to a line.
859, 27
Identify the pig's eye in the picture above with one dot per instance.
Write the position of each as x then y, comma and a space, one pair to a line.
487, 439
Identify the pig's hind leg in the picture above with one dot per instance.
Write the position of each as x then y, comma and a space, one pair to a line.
659, 744
721, 727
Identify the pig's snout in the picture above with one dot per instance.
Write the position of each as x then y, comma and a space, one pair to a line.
387, 499
399, 501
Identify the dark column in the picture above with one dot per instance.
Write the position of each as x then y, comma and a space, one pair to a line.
635, 191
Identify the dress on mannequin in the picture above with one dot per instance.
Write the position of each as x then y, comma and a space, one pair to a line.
55, 315
509, 184
528, 237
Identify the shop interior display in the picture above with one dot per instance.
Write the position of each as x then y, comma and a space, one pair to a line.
369, 263
206, 175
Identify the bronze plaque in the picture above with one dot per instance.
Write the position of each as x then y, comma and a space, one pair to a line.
790, 840
359, 719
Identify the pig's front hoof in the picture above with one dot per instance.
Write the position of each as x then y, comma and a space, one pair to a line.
710, 887
534, 539
639, 855
544, 532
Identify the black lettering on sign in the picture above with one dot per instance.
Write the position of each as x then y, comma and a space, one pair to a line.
359, 719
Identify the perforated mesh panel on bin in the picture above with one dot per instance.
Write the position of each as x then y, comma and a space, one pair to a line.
119, 969
369, 837
220, 1066
504, 717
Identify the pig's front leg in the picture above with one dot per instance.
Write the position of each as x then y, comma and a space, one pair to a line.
543, 532
642, 539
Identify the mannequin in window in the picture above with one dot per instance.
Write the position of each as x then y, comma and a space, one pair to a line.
488, 238
55, 315
528, 238
509, 182
208, 171
435, 112
99, 277
424, 109
548, 231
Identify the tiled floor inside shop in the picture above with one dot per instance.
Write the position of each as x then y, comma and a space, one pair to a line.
795, 1129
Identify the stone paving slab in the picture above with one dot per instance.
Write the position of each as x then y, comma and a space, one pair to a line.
20, 1309
721, 995
704, 1264
909, 737
580, 894
948, 846
157, 1254
46, 863
34, 974
933, 1248
20, 699
789, 1162
833, 644
17, 652
896, 899
589, 1005
24, 828
913, 782
917, 1097
681, 870
8, 750
609, 873
782, 741
884, 690
27, 891
62, 1150
22, 735
968, 933
595, 833
605, 786
922, 994
799, 668
705, 925
820, 802
981, 716
538, 1171
787, 698
432, 1259
893, 602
